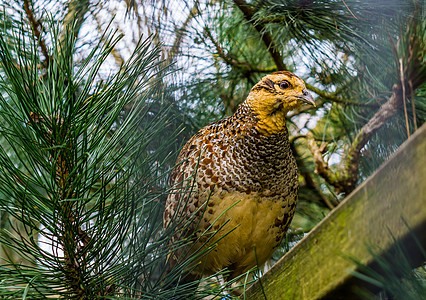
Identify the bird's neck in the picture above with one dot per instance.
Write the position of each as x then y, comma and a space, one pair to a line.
266, 123
269, 125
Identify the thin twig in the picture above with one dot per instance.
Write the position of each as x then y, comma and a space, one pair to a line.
401, 70
223, 55
386, 111
116, 54
349, 9
232, 61
333, 98
321, 166
248, 13
175, 49
413, 105
35, 25
309, 181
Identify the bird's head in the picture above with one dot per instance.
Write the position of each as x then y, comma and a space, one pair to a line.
274, 96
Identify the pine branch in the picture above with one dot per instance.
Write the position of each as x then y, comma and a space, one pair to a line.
310, 183
175, 49
75, 15
321, 166
72, 233
35, 28
333, 97
78, 171
345, 180
119, 60
248, 12
408, 49
385, 112
242, 65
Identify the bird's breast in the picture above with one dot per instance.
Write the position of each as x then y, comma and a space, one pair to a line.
246, 228
249, 163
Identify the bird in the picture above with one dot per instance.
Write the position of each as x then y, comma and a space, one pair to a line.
237, 181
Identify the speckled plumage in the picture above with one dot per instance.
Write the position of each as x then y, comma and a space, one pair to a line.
245, 178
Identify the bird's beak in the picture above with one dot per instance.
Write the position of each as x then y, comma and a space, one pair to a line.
307, 98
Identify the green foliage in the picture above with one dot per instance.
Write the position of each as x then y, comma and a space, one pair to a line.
79, 173
393, 274
84, 163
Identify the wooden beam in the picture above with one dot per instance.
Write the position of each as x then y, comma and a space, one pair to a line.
318, 266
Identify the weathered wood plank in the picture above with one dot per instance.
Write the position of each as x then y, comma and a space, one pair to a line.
317, 268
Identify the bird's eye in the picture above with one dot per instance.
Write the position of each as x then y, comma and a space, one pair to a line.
284, 85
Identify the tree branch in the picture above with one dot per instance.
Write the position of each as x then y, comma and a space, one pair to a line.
76, 11
232, 61
249, 12
74, 240
114, 52
345, 180
175, 49
321, 166
334, 98
35, 25
310, 183
386, 111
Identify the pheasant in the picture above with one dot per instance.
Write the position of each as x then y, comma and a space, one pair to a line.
241, 179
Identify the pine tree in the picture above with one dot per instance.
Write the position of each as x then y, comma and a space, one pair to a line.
85, 153
365, 61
